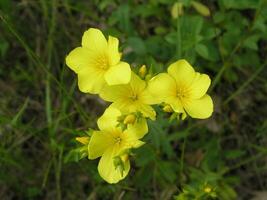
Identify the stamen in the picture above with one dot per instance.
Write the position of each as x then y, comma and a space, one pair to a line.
102, 62
118, 140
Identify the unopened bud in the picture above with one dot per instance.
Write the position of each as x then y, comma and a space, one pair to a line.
143, 71
83, 140
201, 8
177, 10
167, 109
129, 119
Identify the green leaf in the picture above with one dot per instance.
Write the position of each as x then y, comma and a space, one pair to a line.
190, 31
240, 4
251, 42
202, 50
208, 51
138, 45
4, 45
233, 154
167, 170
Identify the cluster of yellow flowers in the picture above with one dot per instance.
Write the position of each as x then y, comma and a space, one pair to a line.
100, 71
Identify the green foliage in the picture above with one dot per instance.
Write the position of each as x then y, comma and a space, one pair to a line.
42, 111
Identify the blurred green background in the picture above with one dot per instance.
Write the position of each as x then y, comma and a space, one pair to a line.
42, 110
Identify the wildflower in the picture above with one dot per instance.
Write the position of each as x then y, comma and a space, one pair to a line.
112, 116
112, 144
130, 98
97, 62
207, 189
183, 89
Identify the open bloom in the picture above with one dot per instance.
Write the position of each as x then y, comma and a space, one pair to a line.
112, 144
97, 62
131, 97
183, 89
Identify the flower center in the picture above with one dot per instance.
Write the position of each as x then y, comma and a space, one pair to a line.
183, 92
102, 62
118, 140
134, 97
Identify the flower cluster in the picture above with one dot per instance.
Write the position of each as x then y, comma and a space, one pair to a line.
99, 68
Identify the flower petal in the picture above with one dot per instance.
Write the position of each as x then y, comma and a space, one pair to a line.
176, 104
109, 119
200, 85
139, 128
91, 81
182, 72
118, 74
137, 84
114, 92
107, 170
99, 143
113, 51
77, 59
94, 39
199, 108
147, 111
160, 87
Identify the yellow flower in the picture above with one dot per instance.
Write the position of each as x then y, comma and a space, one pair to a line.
184, 89
131, 97
112, 145
97, 62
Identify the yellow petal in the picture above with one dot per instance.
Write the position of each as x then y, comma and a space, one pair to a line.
113, 51
182, 72
77, 59
91, 81
125, 105
175, 103
109, 119
199, 108
118, 74
99, 143
147, 111
107, 170
94, 39
139, 128
130, 139
115, 92
160, 87
137, 84
199, 85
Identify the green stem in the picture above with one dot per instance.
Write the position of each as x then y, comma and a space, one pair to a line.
178, 35
244, 85
182, 157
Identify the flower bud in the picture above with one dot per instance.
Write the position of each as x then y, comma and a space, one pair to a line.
143, 71
82, 140
201, 8
129, 119
177, 10
167, 109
